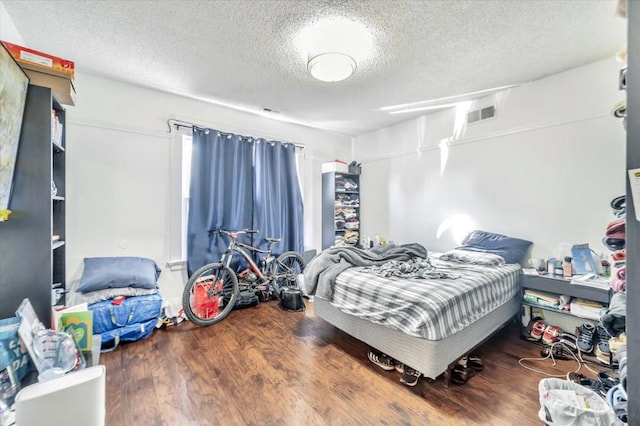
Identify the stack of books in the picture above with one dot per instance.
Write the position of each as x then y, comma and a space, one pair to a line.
586, 308
548, 300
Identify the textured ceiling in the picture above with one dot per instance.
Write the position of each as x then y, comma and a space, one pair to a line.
244, 53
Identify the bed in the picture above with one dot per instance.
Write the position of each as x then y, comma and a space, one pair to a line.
464, 298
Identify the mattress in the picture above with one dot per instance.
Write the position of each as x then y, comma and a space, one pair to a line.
427, 308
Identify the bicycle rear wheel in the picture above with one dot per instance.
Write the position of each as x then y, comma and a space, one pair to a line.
287, 268
210, 294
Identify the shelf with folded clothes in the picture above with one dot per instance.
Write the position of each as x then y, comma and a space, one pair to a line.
340, 209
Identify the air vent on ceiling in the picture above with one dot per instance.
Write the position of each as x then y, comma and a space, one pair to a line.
481, 114
273, 111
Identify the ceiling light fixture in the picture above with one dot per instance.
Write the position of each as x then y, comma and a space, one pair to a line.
331, 67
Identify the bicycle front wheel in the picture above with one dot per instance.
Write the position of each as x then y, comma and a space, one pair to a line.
210, 294
288, 266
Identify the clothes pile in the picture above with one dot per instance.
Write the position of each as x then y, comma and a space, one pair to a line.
615, 241
345, 184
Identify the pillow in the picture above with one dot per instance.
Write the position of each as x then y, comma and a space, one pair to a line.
511, 249
74, 298
472, 258
116, 272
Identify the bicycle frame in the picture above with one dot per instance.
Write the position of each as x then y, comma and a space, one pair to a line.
238, 246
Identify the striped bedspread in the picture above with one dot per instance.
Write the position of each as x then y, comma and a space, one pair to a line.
428, 308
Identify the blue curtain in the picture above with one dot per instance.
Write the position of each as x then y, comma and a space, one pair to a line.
277, 199
221, 194
238, 183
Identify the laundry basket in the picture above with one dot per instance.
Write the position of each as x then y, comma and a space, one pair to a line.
565, 403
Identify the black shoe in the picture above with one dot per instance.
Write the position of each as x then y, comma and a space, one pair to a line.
410, 376
585, 337
593, 384
381, 360
601, 350
558, 351
607, 381
569, 340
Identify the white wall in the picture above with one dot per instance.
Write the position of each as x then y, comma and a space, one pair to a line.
118, 170
545, 169
8, 30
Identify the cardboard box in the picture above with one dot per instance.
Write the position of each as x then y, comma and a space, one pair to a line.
62, 87
30, 59
335, 166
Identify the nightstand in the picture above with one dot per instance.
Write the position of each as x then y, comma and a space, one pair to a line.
559, 285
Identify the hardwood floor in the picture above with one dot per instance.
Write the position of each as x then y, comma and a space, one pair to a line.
263, 365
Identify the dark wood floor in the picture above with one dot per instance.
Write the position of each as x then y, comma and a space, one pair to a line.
265, 366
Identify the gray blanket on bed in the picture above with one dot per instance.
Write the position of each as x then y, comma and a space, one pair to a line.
320, 274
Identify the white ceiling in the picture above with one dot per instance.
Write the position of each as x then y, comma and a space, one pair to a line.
243, 52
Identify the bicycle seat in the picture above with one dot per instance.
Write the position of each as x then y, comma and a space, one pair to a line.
272, 240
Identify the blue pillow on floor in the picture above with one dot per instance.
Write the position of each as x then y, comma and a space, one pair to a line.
511, 249
116, 272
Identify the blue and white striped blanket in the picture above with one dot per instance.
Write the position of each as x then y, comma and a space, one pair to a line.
426, 307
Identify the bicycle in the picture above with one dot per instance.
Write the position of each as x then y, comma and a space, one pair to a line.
211, 292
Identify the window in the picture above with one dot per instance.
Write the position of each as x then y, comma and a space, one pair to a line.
180, 157
186, 184
180, 185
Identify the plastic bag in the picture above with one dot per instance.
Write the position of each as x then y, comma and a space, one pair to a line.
10, 340
565, 403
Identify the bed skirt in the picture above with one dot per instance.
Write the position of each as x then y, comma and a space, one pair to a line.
430, 357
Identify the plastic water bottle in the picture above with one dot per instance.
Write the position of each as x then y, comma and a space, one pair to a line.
9, 384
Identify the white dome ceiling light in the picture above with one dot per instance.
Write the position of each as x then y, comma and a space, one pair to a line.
331, 67
334, 47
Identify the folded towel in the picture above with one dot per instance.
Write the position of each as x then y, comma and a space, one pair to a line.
619, 255
618, 279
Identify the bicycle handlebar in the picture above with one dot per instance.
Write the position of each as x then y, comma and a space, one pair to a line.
234, 233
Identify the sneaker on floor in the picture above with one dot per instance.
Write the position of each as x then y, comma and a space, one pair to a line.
399, 367
585, 337
410, 376
551, 334
569, 340
537, 330
381, 360
601, 349
593, 384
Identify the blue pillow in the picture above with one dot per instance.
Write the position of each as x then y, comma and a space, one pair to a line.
116, 272
511, 249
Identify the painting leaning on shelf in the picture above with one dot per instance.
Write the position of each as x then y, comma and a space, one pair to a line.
13, 91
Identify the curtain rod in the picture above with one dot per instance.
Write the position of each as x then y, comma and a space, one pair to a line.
179, 123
